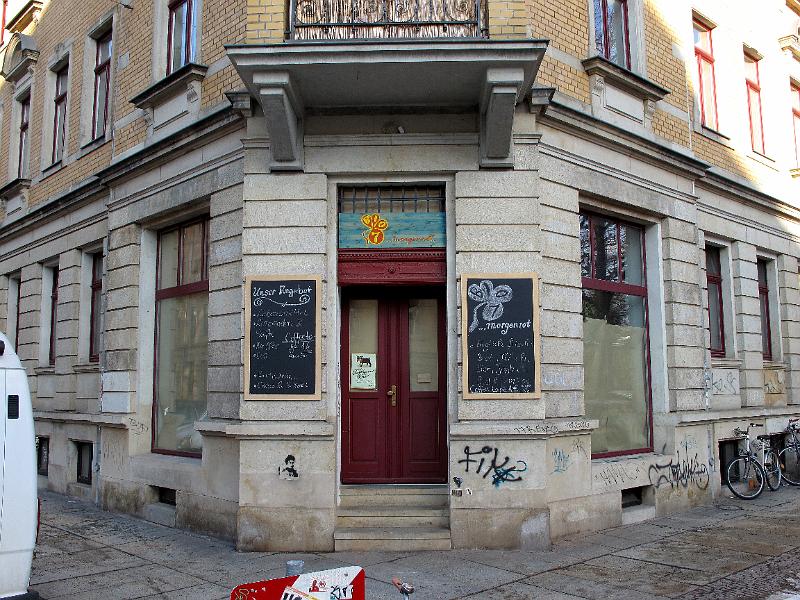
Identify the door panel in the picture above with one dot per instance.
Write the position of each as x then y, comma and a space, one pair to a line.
393, 411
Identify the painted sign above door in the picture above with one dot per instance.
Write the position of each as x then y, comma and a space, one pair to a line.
373, 231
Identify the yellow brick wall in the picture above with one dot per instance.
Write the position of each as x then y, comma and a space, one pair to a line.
266, 21
663, 67
671, 128
224, 22
565, 24
566, 79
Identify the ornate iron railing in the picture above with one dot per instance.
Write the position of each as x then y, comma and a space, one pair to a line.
387, 19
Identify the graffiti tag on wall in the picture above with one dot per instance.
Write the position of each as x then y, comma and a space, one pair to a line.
680, 472
488, 463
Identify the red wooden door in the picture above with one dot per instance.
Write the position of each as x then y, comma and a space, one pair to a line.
393, 386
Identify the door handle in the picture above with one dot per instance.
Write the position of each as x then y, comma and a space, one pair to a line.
392, 393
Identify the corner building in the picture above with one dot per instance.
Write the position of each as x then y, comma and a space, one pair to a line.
634, 163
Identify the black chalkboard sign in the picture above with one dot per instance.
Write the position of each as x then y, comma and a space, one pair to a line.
282, 338
500, 336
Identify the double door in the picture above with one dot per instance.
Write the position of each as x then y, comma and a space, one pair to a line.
393, 386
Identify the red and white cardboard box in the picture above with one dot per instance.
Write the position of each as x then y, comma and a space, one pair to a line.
346, 583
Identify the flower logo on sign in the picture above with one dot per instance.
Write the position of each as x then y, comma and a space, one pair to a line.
375, 227
490, 299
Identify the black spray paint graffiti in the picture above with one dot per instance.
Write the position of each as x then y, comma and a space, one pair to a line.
680, 472
501, 473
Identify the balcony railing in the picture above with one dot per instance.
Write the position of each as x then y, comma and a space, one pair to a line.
387, 19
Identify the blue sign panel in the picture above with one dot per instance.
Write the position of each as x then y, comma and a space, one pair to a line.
392, 230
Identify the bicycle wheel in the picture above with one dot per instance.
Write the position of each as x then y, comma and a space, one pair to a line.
772, 468
789, 459
745, 478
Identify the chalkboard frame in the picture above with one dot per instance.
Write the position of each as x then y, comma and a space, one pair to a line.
316, 280
465, 319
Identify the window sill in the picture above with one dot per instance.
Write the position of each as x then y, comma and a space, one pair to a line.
14, 187
774, 365
623, 78
54, 168
726, 363
169, 86
712, 134
762, 159
92, 367
48, 370
90, 147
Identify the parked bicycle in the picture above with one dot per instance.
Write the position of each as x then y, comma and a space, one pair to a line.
746, 474
789, 457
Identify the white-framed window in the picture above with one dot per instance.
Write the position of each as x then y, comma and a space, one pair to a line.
60, 97
181, 34
102, 83
794, 88
55, 123
97, 83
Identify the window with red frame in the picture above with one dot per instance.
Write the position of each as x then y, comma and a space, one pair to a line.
60, 114
611, 31
753, 85
180, 36
102, 78
181, 365
3, 24
24, 136
716, 322
95, 328
763, 297
704, 54
795, 87
615, 335
51, 352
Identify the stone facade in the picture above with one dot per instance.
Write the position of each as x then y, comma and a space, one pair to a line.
584, 136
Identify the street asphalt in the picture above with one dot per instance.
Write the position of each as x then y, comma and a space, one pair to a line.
732, 550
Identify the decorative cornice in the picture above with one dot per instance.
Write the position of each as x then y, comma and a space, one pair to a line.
14, 187
28, 14
20, 56
624, 79
791, 44
171, 85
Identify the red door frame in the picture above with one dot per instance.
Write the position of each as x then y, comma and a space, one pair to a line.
394, 426
393, 276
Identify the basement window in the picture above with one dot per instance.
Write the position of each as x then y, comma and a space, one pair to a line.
632, 497
166, 496
84, 474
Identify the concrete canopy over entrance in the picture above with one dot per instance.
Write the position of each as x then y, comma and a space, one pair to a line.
294, 79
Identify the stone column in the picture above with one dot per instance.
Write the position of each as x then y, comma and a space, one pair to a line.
789, 299
748, 323
683, 312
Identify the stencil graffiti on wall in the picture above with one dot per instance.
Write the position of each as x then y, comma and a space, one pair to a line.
288, 470
774, 382
680, 472
488, 463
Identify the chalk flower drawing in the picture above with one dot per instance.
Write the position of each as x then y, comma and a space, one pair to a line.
375, 227
490, 298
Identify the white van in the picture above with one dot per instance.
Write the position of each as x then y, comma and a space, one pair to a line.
18, 500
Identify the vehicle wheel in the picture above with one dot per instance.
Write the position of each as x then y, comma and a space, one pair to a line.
772, 468
745, 478
789, 460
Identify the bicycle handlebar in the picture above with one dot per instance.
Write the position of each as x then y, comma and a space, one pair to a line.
756, 425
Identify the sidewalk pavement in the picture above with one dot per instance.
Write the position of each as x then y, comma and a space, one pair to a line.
733, 550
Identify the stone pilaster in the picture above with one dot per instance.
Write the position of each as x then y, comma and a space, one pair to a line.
30, 326
225, 318
748, 323
67, 328
683, 312
789, 296
121, 334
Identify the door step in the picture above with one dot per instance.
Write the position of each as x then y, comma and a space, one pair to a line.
393, 517
392, 538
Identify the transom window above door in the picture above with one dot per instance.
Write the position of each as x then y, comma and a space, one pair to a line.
373, 217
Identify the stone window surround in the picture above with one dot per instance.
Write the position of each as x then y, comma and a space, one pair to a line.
654, 278
23, 89
85, 305
62, 57
48, 271
776, 335
161, 35
104, 25
728, 300
636, 39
